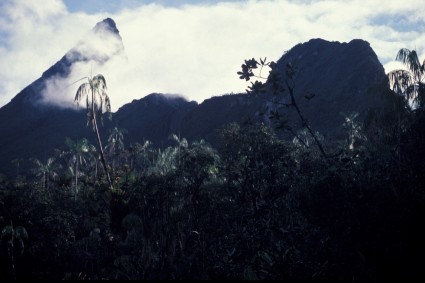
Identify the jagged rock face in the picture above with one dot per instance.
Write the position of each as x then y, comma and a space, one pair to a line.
340, 75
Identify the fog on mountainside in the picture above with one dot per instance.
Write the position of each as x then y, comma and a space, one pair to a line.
100, 51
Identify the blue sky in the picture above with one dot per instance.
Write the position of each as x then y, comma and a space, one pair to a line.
193, 48
111, 6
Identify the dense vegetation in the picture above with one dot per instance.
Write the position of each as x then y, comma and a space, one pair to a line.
255, 207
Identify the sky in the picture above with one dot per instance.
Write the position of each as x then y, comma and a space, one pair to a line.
192, 48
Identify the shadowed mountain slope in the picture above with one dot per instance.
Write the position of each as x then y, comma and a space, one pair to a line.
341, 76
153, 117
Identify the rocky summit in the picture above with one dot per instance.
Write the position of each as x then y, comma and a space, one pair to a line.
332, 78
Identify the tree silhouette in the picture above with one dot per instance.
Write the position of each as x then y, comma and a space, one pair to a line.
409, 83
97, 102
115, 143
45, 170
276, 85
17, 162
78, 151
180, 143
15, 238
354, 129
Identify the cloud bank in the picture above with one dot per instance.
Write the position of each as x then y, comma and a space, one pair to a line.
194, 49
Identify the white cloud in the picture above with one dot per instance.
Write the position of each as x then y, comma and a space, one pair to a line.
35, 35
60, 91
195, 50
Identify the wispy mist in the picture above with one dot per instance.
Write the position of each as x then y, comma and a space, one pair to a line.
100, 49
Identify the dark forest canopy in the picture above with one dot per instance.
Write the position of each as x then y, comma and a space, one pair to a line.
254, 207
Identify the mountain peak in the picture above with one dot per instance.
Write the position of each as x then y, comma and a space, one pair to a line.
99, 45
340, 74
102, 43
107, 24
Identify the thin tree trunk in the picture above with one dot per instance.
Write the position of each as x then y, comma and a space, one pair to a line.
44, 179
76, 177
304, 121
102, 156
95, 172
11, 251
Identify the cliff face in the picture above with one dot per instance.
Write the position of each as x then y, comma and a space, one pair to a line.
341, 77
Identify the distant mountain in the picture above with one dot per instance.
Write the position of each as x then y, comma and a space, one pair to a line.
203, 121
342, 76
32, 127
153, 117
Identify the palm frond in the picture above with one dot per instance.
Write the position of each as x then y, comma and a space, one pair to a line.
100, 81
108, 104
411, 92
184, 143
403, 55
174, 137
50, 161
411, 60
83, 90
146, 144
37, 162
83, 78
101, 105
400, 80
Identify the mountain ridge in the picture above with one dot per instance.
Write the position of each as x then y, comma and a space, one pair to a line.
341, 76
